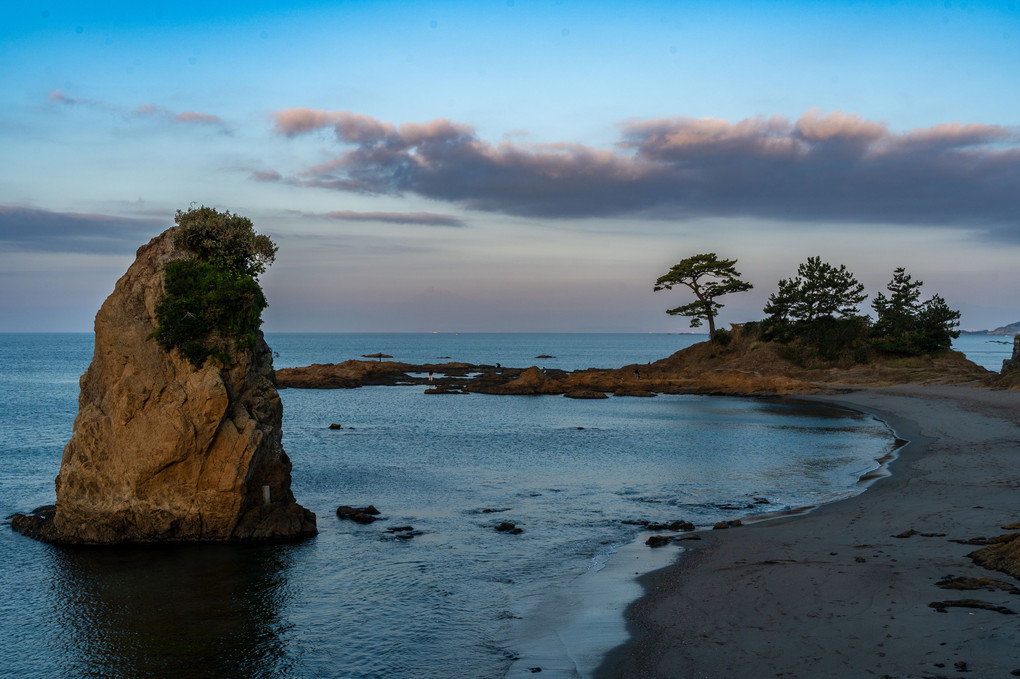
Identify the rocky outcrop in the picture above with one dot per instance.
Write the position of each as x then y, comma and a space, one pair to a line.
1001, 554
1013, 363
531, 382
353, 374
162, 451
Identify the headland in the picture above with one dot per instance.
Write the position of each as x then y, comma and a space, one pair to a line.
744, 366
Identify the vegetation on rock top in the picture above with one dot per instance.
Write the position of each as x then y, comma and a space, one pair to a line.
213, 297
815, 315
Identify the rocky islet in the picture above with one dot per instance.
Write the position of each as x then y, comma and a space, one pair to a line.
162, 450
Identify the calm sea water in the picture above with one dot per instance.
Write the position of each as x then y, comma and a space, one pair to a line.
988, 351
460, 599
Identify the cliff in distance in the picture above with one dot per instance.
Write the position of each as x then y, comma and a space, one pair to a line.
1011, 329
162, 450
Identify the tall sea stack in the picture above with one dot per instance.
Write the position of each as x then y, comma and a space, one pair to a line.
163, 450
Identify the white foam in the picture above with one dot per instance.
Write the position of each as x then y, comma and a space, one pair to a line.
576, 628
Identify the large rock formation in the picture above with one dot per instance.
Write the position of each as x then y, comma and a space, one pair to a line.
162, 450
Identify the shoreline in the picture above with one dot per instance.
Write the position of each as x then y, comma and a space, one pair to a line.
833, 592
589, 614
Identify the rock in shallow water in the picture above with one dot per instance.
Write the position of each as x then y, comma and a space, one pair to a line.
364, 515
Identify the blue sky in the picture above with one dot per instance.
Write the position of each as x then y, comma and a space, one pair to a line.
512, 165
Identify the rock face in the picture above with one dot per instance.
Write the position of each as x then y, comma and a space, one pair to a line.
1013, 363
164, 451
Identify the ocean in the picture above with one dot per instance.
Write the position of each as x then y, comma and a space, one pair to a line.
458, 599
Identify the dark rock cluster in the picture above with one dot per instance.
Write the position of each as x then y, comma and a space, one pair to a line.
363, 515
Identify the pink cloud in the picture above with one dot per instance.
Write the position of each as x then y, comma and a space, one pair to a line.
815, 127
266, 176
422, 218
194, 117
185, 117
348, 126
668, 137
58, 97
833, 167
956, 134
149, 110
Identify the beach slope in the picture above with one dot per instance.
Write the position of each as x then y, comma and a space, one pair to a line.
846, 590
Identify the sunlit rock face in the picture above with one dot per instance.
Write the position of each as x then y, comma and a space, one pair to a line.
162, 451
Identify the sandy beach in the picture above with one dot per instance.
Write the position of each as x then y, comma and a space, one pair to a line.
835, 592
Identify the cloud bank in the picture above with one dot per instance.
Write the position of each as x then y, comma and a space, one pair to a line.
420, 218
837, 167
33, 230
187, 117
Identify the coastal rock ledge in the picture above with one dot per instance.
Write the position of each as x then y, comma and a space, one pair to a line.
162, 451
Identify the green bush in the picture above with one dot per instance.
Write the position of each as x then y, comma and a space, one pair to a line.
842, 341
722, 337
214, 298
751, 329
227, 240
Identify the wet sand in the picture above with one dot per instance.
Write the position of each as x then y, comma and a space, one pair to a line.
832, 593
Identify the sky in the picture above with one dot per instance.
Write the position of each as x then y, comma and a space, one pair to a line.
514, 165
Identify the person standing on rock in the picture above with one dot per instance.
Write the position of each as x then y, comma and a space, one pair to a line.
430, 376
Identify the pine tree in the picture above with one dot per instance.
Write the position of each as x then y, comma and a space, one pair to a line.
708, 277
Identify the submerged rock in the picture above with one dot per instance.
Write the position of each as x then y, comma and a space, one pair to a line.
162, 450
444, 390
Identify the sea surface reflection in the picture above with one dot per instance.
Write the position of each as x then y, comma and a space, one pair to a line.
172, 611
